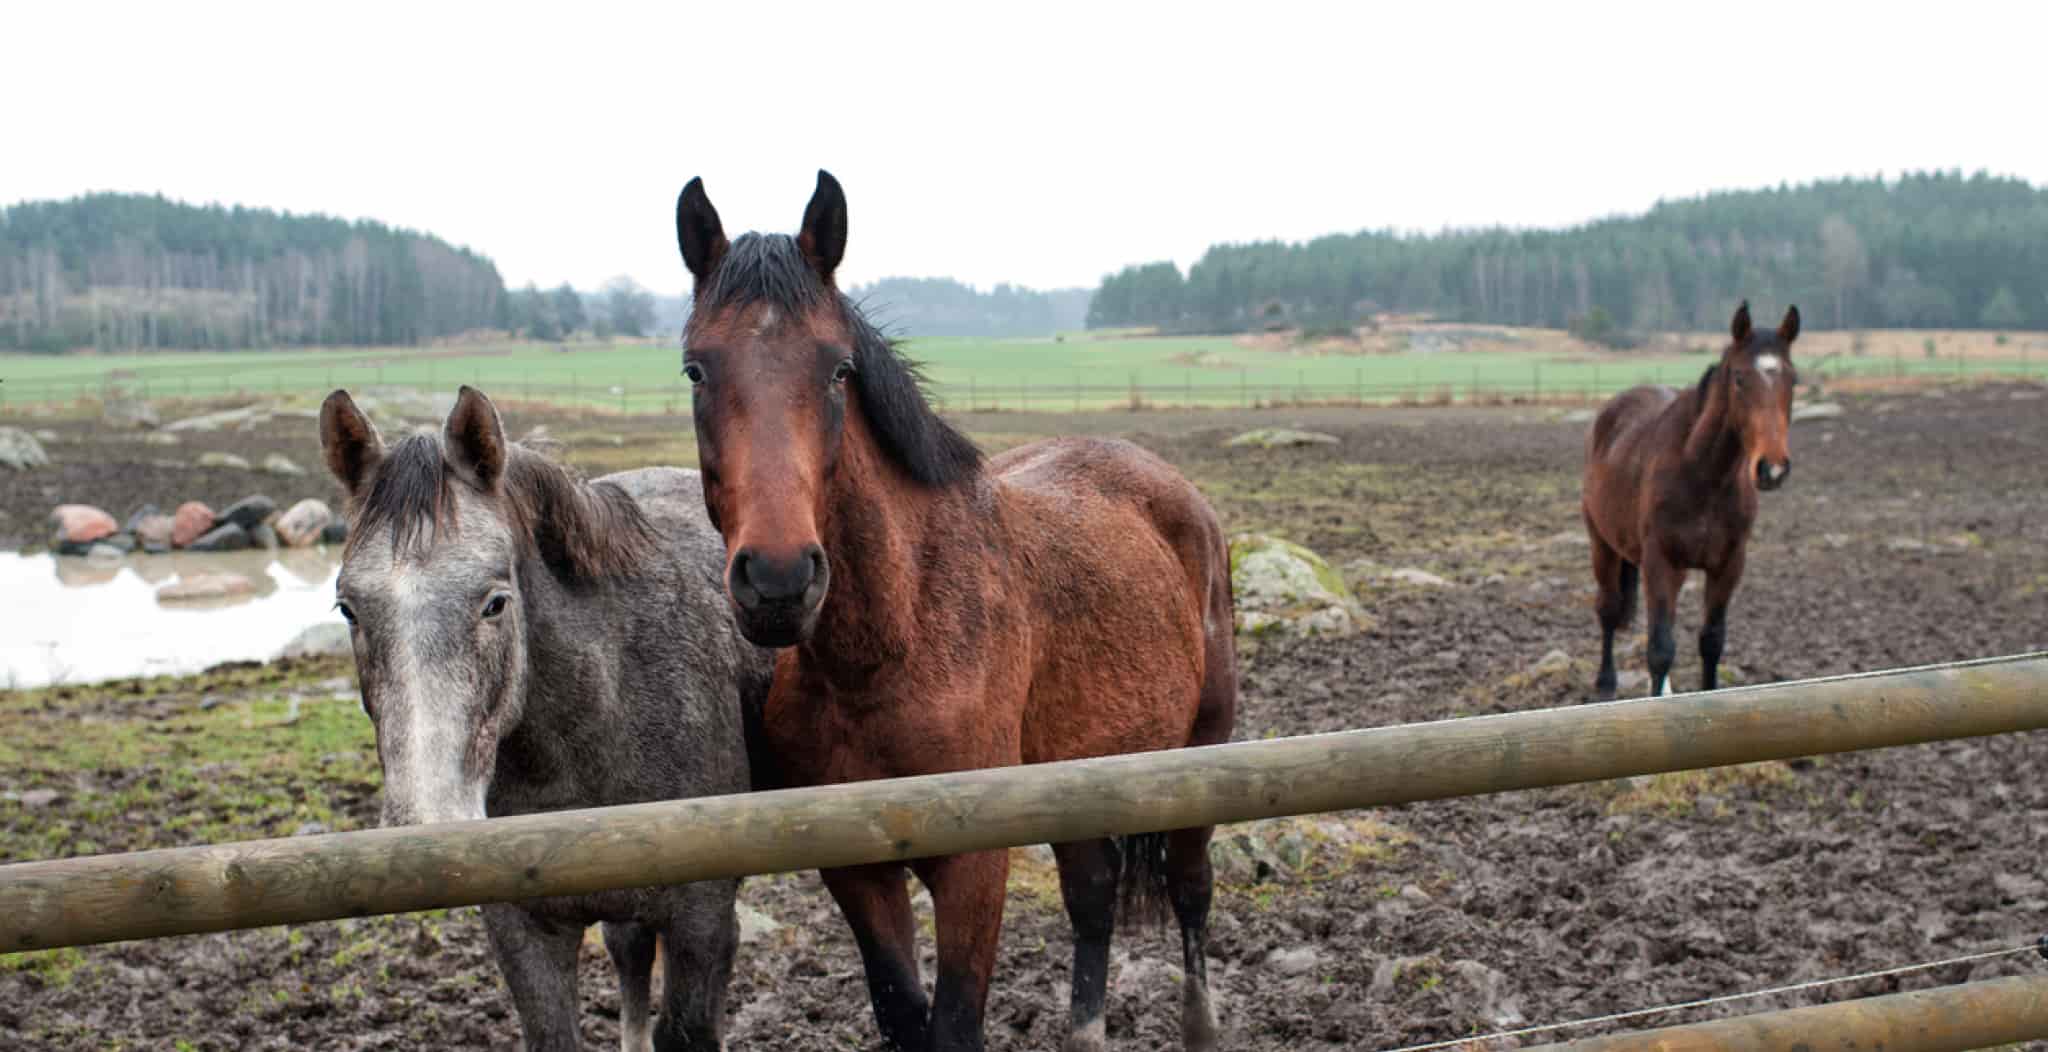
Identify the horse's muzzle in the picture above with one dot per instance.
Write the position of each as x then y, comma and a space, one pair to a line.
775, 600
1770, 476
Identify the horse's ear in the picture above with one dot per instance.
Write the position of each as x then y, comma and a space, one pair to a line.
1740, 326
1788, 330
823, 237
348, 441
698, 232
475, 445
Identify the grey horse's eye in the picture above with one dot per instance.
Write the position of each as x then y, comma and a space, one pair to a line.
346, 614
496, 606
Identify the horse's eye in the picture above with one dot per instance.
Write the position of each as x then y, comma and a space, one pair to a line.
693, 372
346, 614
841, 371
496, 606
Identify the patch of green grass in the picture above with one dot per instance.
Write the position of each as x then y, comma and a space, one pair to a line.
147, 764
56, 967
1678, 792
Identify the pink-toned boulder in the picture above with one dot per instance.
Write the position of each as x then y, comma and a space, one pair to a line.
300, 525
190, 522
81, 524
155, 531
204, 586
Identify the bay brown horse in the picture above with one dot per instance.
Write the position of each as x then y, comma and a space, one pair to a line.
1068, 599
1671, 485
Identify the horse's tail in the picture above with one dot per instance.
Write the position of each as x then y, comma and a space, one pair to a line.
1630, 576
1141, 891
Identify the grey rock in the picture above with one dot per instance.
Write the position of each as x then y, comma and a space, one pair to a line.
249, 512
328, 638
1300, 960
36, 799
335, 532
279, 464
214, 458
755, 925
263, 536
20, 450
129, 413
1280, 437
224, 538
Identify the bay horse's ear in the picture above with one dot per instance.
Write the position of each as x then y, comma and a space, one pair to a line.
348, 441
698, 232
1740, 326
1788, 330
475, 440
823, 237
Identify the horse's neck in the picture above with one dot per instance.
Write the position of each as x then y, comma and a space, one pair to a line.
1713, 451
573, 690
889, 538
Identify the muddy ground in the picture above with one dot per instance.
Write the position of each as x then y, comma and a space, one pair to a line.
1915, 529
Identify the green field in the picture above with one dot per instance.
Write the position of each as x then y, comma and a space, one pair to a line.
1076, 372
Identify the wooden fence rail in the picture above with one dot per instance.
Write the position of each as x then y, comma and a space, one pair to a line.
178, 891
1984, 1014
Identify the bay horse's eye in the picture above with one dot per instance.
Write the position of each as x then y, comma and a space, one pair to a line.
693, 372
496, 606
346, 614
843, 370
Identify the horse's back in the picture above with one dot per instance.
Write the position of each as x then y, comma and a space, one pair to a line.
1128, 565
1626, 414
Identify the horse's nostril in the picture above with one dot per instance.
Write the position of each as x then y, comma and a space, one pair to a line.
758, 578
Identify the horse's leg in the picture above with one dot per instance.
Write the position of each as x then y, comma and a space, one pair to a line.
539, 964
967, 906
697, 968
1661, 582
1714, 632
1190, 883
632, 950
876, 904
1616, 578
1089, 870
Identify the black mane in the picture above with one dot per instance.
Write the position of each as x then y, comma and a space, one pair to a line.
770, 269
581, 531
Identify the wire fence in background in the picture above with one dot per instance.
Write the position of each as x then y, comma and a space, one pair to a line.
1434, 382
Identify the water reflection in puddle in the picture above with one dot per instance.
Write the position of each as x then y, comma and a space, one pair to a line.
65, 620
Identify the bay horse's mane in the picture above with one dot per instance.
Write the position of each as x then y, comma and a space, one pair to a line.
770, 269
581, 530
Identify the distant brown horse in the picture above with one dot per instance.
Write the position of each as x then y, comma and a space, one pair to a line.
1067, 599
1671, 486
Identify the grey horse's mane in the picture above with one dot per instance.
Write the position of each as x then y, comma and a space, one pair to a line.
582, 530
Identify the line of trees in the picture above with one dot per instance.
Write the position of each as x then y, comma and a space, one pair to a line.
621, 308
128, 271
944, 307
1928, 250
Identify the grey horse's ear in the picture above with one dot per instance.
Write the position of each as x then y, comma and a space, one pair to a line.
475, 440
349, 441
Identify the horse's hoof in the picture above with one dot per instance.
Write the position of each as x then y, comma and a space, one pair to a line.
1093, 1037
1198, 1030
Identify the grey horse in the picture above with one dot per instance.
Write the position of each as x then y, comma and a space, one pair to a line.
530, 642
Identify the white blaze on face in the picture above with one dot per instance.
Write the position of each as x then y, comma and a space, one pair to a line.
1770, 365
427, 764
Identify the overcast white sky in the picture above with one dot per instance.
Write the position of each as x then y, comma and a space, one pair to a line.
1044, 143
